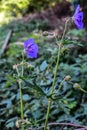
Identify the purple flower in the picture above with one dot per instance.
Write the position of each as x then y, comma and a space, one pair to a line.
78, 18
31, 49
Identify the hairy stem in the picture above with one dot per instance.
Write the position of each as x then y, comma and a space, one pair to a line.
21, 102
55, 74
64, 30
22, 64
52, 90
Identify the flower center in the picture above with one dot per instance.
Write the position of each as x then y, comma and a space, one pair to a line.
29, 48
79, 20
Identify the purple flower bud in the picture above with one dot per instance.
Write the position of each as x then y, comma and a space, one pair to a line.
31, 49
78, 18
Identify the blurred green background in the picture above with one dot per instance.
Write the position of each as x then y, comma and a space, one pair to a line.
19, 8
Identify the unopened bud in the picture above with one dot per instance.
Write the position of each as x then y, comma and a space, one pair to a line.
19, 81
29, 65
45, 33
67, 78
20, 122
64, 50
77, 86
14, 66
17, 124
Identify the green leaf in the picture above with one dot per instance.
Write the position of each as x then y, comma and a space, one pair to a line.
34, 86
43, 66
72, 104
26, 97
10, 125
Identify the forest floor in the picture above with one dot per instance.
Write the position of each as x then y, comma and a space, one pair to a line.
73, 61
54, 17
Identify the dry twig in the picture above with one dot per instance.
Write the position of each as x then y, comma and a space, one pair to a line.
7, 41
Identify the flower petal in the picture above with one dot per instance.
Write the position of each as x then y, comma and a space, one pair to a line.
77, 9
81, 15
32, 55
79, 25
78, 17
28, 42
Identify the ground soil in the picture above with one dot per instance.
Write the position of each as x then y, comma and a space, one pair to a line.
55, 16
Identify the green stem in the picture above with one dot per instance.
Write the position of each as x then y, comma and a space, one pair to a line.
56, 69
21, 102
64, 30
83, 90
50, 101
17, 71
55, 74
47, 115
21, 96
60, 86
22, 64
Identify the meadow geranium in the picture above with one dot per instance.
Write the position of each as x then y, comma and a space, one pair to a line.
78, 18
31, 49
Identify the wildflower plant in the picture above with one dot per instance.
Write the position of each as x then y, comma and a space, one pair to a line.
31, 50
78, 20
